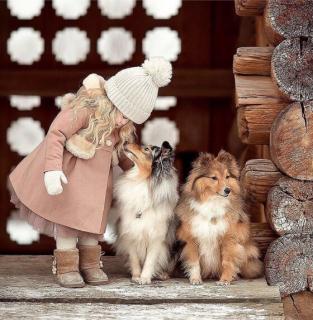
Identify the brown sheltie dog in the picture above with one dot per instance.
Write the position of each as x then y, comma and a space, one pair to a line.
214, 227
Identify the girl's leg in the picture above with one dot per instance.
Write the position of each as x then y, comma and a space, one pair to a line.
87, 241
66, 243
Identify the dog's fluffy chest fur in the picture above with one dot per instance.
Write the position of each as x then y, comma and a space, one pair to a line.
145, 213
208, 225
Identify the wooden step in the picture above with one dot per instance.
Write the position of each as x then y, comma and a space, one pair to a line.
28, 288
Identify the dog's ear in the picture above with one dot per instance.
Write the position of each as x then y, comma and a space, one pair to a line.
166, 146
203, 159
166, 150
230, 161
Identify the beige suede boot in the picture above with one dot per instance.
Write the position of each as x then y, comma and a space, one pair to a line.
65, 266
90, 265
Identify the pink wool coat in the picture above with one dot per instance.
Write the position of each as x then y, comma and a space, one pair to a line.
85, 201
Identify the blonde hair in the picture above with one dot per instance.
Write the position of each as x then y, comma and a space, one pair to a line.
102, 121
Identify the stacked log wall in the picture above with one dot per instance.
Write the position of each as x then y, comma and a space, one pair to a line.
274, 94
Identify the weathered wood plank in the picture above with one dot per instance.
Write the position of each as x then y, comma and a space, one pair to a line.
29, 278
249, 7
263, 235
303, 302
255, 122
253, 61
131, 312
298, 306
256, 90
186, 83
258, 177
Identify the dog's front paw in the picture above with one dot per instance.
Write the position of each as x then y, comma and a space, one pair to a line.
163, 276
135, 279
223, 283
144, 280
195, 281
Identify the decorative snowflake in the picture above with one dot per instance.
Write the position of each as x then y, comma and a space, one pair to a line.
20, 231
116, 45
24, 135
158, 130
71, 9
162, 42
162, 9
25, 46
25, 102
25, 9
116, 9
71, 46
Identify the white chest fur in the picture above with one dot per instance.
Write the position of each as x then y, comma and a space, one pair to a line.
207, 226
209, 220
145, 214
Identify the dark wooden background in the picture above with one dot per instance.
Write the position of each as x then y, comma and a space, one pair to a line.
202, 83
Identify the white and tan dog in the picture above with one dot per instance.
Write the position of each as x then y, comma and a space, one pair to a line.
146, 196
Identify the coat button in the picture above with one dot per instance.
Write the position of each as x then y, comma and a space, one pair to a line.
108, 143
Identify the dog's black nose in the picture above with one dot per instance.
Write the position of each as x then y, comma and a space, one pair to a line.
227, 190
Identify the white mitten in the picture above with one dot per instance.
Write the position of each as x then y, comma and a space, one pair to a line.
53, 181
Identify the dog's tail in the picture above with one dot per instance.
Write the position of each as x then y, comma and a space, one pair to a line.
253, 267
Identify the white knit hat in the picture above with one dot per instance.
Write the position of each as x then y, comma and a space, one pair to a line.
134, 90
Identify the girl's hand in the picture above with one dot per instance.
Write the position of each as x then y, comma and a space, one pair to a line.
53, 181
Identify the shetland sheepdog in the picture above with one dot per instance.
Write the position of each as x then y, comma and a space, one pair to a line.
214, 227
146, 196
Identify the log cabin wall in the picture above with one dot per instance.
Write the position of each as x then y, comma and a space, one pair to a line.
274, 100
198, 116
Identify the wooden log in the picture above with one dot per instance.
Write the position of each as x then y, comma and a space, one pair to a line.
291, 141
290, 206
258, 177
260, 36
249, 7
298, 305
255, 122
253, 61
257, 90
289, 263
288, 19
292, 68
263, 235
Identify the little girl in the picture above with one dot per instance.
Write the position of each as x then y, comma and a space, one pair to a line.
83, 142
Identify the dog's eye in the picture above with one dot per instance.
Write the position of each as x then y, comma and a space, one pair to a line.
146, 149
227, 177
213, 178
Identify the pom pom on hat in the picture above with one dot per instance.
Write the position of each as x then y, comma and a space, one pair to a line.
159, 69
